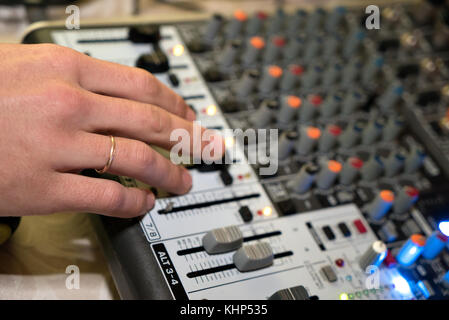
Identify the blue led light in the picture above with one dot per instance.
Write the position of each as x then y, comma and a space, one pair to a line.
401, 285
411, 250
444, 228
422, 287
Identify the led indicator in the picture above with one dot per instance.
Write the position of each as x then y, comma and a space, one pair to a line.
211, 110
344, 296
294, 101
444, 228
178, 50
267, 211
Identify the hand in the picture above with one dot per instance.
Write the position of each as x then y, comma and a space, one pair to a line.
58, 108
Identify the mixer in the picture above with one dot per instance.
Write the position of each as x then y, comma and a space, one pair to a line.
357, 208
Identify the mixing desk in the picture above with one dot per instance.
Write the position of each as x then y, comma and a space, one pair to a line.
358, 206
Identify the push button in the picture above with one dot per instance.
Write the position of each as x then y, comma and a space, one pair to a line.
329, 273
246, 214
344, 229
328, 232
360, 226
173, 78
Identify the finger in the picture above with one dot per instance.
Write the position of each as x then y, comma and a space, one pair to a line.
131, 83
132, 159
153, 125
100, 196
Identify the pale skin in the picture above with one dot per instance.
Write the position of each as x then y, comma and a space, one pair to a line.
58, 108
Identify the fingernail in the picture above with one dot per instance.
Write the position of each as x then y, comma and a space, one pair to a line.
190, 115
150, 201
187, 179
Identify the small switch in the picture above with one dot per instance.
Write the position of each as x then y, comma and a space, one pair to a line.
286, 207
328, 232
246, 214
344, 229
253, 257
226, 177
294, 293
329, 273
360, 226
223, 240
173, 78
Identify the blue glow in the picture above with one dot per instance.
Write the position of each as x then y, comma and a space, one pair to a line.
444, 228
422, 287
401, 285
408, 253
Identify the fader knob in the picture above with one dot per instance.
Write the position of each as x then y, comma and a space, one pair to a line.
394, 163
273, 50
270, 78
310, 108
330, 105
350, 170
294, 293
308, 139
380, 206
253, 256
372, 168
372, 131
256, 22
374, 256
144, 34
266, 112
329, 138
392, 129
253, 50
223, 240
350, 136
247, 83
291, 77
154, 62
328, 174
234, 27
303, 180
289, 108
414, 159
287, 143
213, 28
406, 198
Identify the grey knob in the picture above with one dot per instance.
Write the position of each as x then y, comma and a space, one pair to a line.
277, 22
287, 143
235, 26
255, 23
372, 168
213, 28
223, 240
394, 163
372, 69
294, 48
264, 114
296, 22
330, 105
290, 78
372, 131
380, 206
374, 255
303, 180
351, 169
312, 76
351, 72
328, 174
270, 78
313, 49
315, 21
253, 50
329, 138
332, 74
310, 108
353, 43
289, 109
254, 256
308, 139
390, 98
274, 49
352, 102
229, 56
336, 17
331, 46
407, 196
247, 84
392, 128
414, 159
350, 136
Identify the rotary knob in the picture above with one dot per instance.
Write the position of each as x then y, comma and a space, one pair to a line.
303, 180
374, 255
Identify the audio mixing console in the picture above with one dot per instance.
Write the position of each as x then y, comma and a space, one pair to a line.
362, 155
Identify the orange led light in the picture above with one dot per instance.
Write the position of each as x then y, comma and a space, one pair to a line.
240, 15
275, 71
178, 50
257, 42
334, 166
294, 101
313, 133
387, 195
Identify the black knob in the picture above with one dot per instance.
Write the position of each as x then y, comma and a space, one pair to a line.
144, 34
154, 62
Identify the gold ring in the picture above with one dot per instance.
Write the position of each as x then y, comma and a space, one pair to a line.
111, 157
